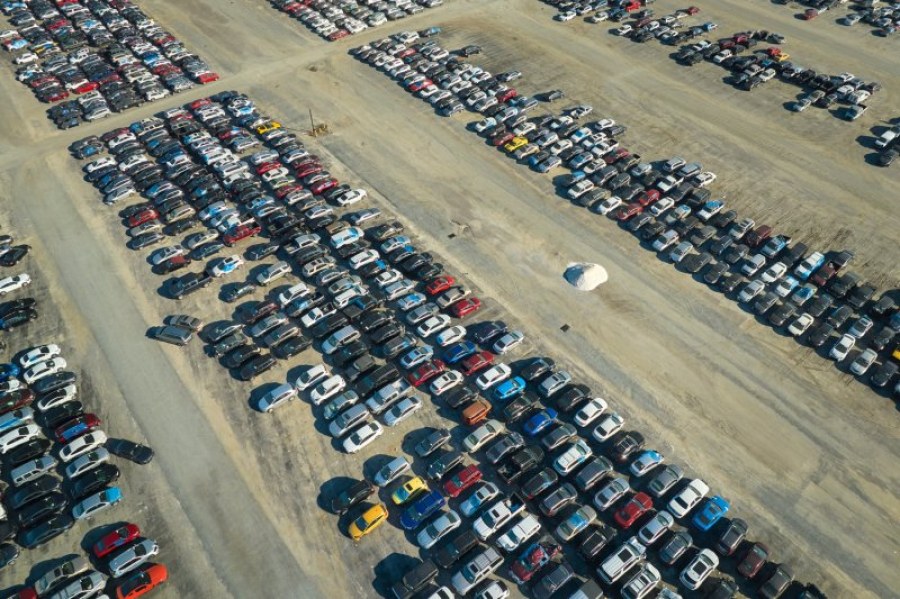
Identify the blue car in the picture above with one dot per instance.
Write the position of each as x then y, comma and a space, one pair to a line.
711, 512
509, 389
459, 351
11, 420
424, 507
9, 371
540, 421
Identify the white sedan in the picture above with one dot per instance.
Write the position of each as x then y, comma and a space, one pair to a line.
42, 369
590, 411
163, 254
39, 354
226, 266
433, 325
799, 326
445, 382
438, 529
492, 376
311, 376
327, 389
351, 197
136, 555
451, 335
82, 445
402, 410
508, 342
610, 425
10, 284
482, 435
362, 436
688, 498
18, 436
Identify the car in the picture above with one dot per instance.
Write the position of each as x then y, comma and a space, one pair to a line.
842, 347
437, 529
142, 582
624, 445
753, 560
633, 509
362, 436
576, 522
480, 496
76, 427
431, 442
276, 396
93, 504
424, 506
450, 335
38, 354
43, 369
688, 498
352, 494
492, 376
446, 381
508, 342
81, 446
611, 492
554, 502
443, 464
665, 480
538, 483
800, 324
540, 422
645, 462
532, 559
132, 557
863, 361
698, 570
368, 521
45, 531
731, 537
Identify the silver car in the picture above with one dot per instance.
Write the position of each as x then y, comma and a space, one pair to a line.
88, 585
67, 569
135, 555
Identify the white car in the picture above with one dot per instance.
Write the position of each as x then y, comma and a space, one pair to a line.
134, 556
277, 396
774, 272
439, 528
226, 266
699, 569
751, 290
351, 197
644, 582
801, 324
451, 335
705, 178
401, 287
14, 283
10, 385
96, 503
327, 389
42, 369
163, 254
272, 272
433, 325
842, 347
651, 532
388, 277
446, 381
590, 411
527, 527
82, 445
312, 376
293, 293
18, 436
567, 15
608, 426
87, 462
688, 498
39, 354
492, 376
362, 436
609, 204
482, 435
402, 410
863, 361
508, 342
57, 398
88, 585
576, 454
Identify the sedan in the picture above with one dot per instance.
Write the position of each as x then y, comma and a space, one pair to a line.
133, 557
362, 436
439, 528
492, 376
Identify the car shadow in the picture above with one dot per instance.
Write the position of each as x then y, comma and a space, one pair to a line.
330, 489
389, 570
872, 158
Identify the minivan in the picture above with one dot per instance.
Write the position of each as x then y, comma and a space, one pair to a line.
340, 338
174, 335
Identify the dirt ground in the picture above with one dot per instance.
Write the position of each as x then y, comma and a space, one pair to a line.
805, 453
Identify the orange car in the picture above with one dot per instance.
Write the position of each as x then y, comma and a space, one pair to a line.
476, 412
142, 582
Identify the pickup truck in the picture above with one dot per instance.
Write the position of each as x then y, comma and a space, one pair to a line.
497, 516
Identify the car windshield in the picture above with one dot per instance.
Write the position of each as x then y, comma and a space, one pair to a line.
361, 523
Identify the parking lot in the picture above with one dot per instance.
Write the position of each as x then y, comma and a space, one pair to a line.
805, 437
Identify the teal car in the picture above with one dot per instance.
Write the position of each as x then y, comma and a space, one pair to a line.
509, 389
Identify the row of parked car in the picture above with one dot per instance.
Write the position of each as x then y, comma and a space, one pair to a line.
21, 311
337, 20
668, 204
885, 20
38, 394
108, 53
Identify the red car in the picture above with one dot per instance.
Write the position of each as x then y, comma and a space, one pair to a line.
240, 232
464, 307
425, 372
198, 104
15, 400
173, 264
337, 35
462, 480
477, 362
265, 167
407, 52
76, 427
636, 507
117, 538
207, 77
629, 211
142, 217
645, 198
753, 561
142, 582
809, 14
440, 284
320, 187
419, 85
87, 86
309, 169
535, 557
692, 10
499, 141
283, 192
619, 154
507, 95
56, 97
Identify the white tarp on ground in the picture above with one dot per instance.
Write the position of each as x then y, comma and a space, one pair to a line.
585, 276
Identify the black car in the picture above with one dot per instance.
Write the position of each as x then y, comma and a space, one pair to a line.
328, 325
461, 397
14, 255
386, 332
414, 580
820, 335
45, 507
7, 530
350, 352
432, 442
8, 555
520, 462
256, 366
261, 250
29, 451
397, 345
572, 397
137, 453
595, 540
782, 313
374, 319
17, 319
8, 308
450, 552
359, 367
351, 495
45, 531
536, 369
291, 347
383, 375
240, 355
539, 483
32, 490
518, 408
731, 537
720, 588
63, 413
625, 445
257, 311
93, 481
484, 332
443, 464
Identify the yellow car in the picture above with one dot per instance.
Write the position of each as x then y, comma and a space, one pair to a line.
515, 143
371, 519
270, 126
409, 491
782, 57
